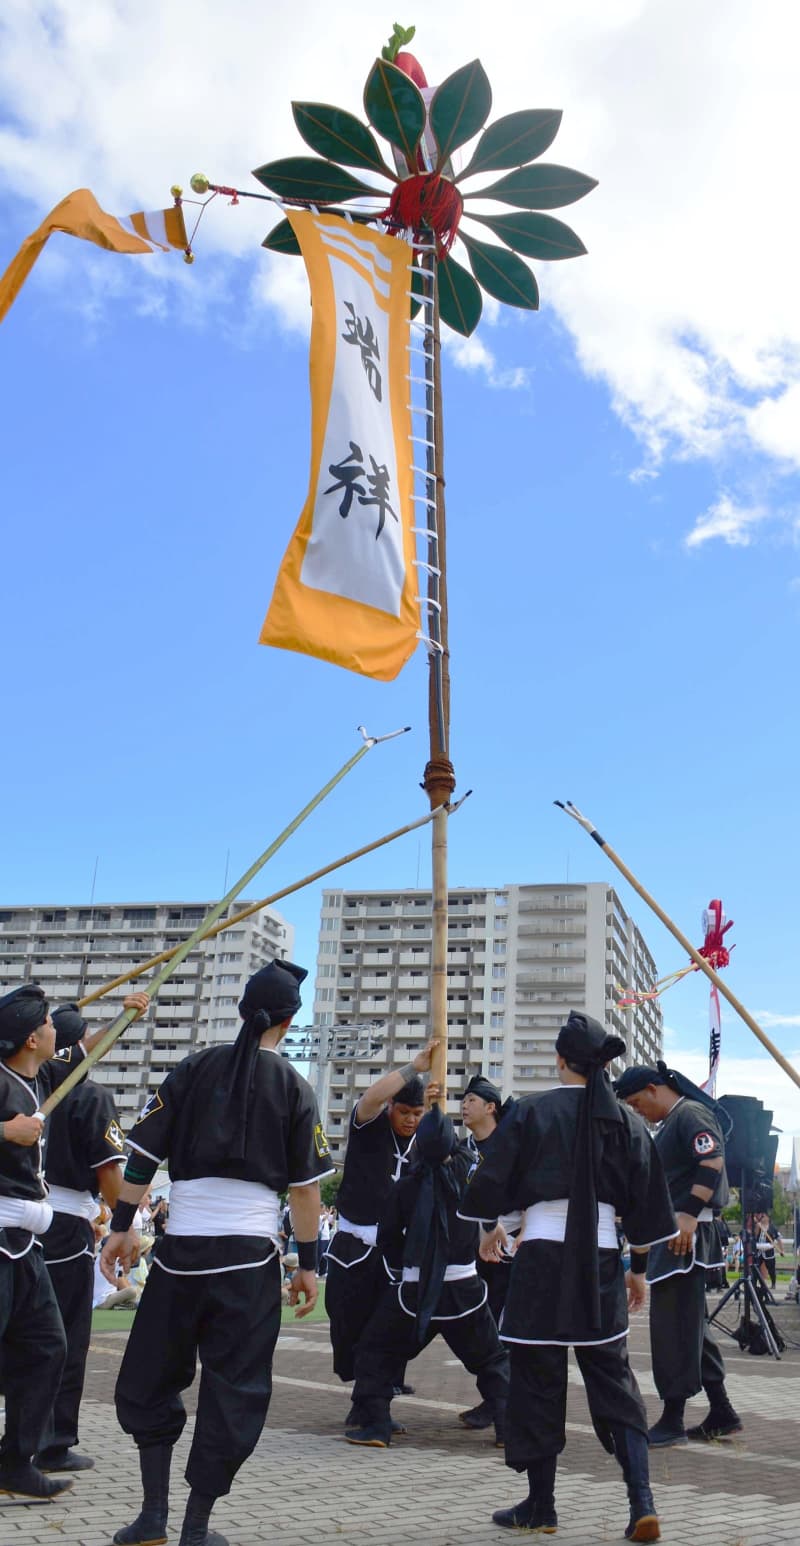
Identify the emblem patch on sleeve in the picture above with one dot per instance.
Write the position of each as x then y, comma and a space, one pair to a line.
321, 1142
152, 1104
704, 1143
115, 1136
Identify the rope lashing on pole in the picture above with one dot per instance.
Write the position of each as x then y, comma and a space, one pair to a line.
700, 962
267, 901
123, 1020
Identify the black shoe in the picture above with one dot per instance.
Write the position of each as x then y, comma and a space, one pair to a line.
64, 1460
666, 1432
643, 1524
477, 1417
530, 1516
354, 1418
20, 1476
398, 1428
370, 1438
403, 1390
717, 1425
143, 1532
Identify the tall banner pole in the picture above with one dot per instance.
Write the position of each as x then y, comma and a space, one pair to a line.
700, 962
439, 779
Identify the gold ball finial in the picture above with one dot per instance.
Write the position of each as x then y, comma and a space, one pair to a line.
199, 183
188, 257
176, 190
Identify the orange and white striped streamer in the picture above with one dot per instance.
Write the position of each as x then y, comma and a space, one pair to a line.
79, 214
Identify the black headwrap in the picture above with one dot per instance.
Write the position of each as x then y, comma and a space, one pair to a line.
428, 1235
70, 1026
637, 1078
586, 1045
270, 998
480, 1086
22, 1011
412, 1093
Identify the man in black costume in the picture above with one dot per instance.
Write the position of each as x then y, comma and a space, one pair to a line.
432, 1251
84, 1146
572, 1159
380, 1146
481, 1109
238, 1125
685, 1355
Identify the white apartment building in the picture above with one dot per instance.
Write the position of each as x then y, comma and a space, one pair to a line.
69, 951
519, 958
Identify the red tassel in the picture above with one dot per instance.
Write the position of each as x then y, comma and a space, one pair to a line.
427, 200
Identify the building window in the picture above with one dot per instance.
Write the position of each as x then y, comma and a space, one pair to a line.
498, 971
499, 947
497, 1021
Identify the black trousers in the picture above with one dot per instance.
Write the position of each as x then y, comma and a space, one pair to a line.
685, 1355
392, 1334
33, 1352
537, 1400
231, 1320
73, 1285
352, 1294
496, 1275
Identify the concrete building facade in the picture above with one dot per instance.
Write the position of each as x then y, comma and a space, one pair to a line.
69, 951
519, 958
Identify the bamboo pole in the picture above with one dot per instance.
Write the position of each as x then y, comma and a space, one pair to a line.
439, 779
123, 1020
699, 961
267, 901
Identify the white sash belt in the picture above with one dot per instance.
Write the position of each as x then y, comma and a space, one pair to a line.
24, 1213
548, 1221
81, 1205
452, 1274
368, 1233
217, 1205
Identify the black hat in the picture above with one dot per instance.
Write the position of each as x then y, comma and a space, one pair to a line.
480, 1086
70, 1026
637, 1078
22, 1011
585, 1041
272, 995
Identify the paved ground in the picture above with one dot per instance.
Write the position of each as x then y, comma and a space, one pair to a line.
439, 1484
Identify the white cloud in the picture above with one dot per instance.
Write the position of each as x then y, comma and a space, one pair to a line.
733, 523
767, 1019
685, 306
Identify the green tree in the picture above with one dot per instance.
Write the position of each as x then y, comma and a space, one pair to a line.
329, 1189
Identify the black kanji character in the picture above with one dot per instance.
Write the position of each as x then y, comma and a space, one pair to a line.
378, 481
362, 334
346, 472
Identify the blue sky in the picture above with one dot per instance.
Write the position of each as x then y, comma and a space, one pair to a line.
622, 494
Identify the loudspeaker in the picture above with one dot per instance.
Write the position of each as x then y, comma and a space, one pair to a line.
750, 1146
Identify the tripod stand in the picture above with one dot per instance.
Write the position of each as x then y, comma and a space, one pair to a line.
751, 1296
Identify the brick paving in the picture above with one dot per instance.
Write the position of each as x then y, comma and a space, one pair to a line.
305, 1486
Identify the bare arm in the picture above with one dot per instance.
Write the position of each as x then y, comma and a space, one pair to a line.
304, 1204
109, 1180
137, 1001
123, 1245
687, 1223
374, 1099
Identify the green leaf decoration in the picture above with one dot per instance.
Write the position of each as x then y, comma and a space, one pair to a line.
513, 140
460, 108
339, 136
543, 186
460, 302
536, 236
305, 178
395, 108
282, 239
502, 273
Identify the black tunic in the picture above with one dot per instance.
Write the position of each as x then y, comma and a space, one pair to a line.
376, 1157
457, 1298
688, 1135
530, 1160
286, 1146
81, 1135
22, 1169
